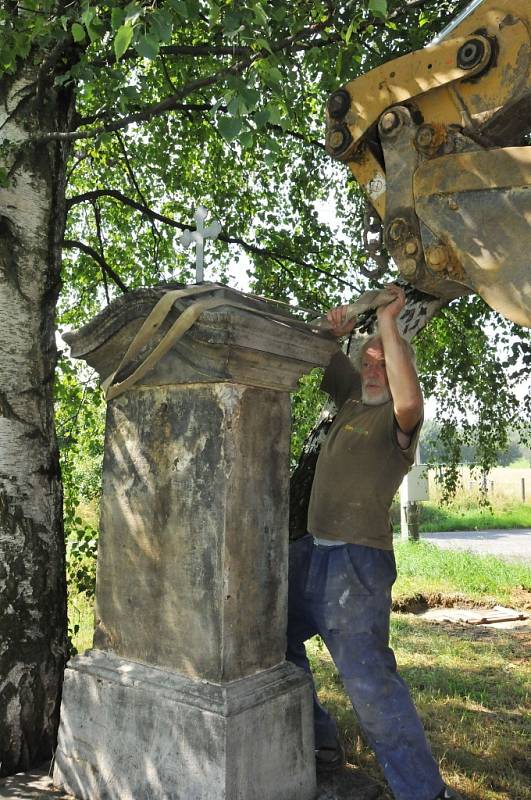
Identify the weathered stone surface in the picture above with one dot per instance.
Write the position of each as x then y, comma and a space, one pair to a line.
191, 564
132, 732
225, 344
188, 696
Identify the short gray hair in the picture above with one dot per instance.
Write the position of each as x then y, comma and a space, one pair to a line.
362, 344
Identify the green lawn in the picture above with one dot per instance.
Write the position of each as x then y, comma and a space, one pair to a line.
424, 569
470, 684
471, 688
463, 516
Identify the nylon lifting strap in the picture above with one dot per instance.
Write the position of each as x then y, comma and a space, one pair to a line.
182, 324
186, 319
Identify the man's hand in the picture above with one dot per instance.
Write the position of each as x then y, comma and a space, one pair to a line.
392, 310
337, 318
401, 374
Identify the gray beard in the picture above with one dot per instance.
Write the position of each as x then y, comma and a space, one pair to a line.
375, 399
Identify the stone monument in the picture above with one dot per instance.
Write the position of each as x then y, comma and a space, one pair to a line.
187, 695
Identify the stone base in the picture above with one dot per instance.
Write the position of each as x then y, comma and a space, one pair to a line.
133, 732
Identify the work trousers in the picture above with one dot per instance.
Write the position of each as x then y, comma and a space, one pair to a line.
343, 593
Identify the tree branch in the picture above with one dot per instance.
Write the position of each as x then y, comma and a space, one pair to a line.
72, 244
169, 103
262, 251
207, 107
97, 217
122, 198
250, 248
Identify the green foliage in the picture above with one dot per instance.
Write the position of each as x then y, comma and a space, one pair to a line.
424, 568
80, 423
225, 108
306, 404
467, 360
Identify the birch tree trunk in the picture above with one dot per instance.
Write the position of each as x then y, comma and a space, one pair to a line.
33, 643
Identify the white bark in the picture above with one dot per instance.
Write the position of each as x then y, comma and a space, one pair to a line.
32, 595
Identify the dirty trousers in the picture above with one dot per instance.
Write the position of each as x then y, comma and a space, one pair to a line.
343, 593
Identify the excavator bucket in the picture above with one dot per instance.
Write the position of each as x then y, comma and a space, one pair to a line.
439, 140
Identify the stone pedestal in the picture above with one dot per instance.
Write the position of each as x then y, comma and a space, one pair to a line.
187, 695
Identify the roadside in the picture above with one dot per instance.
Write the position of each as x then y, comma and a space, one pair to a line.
509, 544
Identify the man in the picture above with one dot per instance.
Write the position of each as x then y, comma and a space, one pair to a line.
341, 574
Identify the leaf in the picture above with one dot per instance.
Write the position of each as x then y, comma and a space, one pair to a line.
260, 15
234, 106
95, 28
180, 7
87, 16
250, 98
378, 7
247, 140
229, 127
261, 118
78, 32
161, 26
274, 114
117, 18
272, 75
122, 40
132, 93
147, 47
350, 30
214, 14
232, 21
262, 44
278, 14
132, 13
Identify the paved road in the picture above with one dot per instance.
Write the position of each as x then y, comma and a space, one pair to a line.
509, 544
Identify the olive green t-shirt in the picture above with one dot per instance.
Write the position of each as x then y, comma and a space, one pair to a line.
360, 465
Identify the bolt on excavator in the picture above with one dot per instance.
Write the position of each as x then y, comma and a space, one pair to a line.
439, 141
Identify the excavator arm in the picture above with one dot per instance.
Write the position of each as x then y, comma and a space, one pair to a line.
438, 140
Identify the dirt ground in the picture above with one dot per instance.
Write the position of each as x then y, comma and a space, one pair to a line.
350, 782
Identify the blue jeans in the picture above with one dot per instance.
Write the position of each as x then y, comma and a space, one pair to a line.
343, 593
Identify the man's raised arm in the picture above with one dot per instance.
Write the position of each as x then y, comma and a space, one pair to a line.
401, 374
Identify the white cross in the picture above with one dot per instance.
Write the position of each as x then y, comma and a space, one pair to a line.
198, 236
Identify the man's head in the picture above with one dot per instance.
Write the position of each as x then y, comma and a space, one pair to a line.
374, 384
370, 362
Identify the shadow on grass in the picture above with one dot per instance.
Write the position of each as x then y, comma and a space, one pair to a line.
471, 689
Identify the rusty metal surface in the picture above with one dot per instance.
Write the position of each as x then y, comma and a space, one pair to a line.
489, 233
441, 156
406, 241
503, 168
398, 81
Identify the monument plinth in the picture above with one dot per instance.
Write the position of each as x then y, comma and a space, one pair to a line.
187, 695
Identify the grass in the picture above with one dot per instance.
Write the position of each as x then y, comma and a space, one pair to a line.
469, 516
457, 518
471, 690
470, 685
428, 570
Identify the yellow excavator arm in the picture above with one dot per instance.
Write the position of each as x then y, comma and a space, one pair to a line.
437, 138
